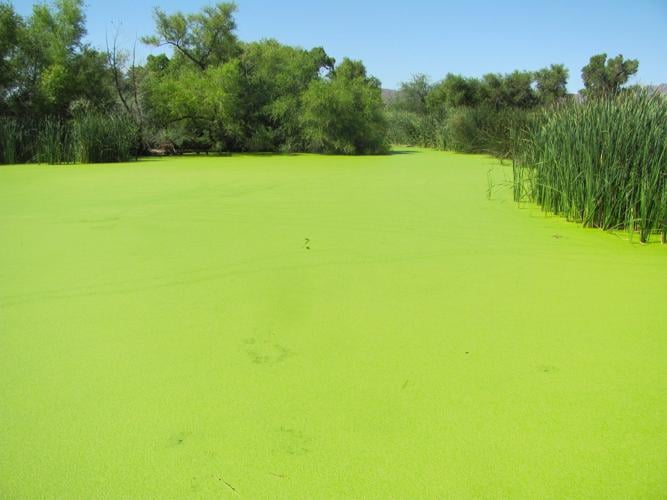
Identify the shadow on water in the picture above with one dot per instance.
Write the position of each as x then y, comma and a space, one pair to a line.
403, 152
158, 158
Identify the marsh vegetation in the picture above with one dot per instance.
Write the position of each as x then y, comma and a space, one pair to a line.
602, 162
597, 158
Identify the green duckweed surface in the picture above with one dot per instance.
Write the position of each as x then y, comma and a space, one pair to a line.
321, 327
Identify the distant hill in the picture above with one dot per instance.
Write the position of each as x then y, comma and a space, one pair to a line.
658, 89
389, 95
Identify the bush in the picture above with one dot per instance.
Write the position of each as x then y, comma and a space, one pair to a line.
344, 115
413, 129
484, 130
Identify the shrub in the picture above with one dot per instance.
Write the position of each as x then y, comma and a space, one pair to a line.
413, 129
484, 130
345, 115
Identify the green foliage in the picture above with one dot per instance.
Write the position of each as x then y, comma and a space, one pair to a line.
344, 114
602, 162
157, 64
276, 76
413, 129
255, 97
251, 103
45, 65
551, 83
468, 114
485, 130
453, 92
194, 105
177, 94
90, 137
605, 77
514, 90
204, 38
413, 95
212, 92
10, 25
54, 142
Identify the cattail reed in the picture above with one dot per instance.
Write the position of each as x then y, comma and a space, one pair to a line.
601, 162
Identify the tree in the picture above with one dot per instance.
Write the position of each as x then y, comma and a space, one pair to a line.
551, 83
50, 66
251, 103
188, 93
455, 91
210, 91
10, 25
514, 90
125, 79
343, 114
204, 38
518, 87
259, 96
605, 77
413, 95
276, 77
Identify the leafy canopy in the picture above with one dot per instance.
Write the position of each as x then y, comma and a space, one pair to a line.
605, 77
204, 38
344, 114
552, 83
45, 66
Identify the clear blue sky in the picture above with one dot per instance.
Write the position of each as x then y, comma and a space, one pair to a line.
397, 39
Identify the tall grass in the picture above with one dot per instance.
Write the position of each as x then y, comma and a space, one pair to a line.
54, 142
464, 129
602, 163
413, 129
99, 138
87, 138
12, 140
485, 130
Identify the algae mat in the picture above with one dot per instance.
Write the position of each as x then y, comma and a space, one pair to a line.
321, 327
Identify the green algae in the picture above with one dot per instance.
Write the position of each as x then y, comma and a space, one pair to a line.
312, 327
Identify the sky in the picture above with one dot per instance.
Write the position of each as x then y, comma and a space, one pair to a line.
398, 39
